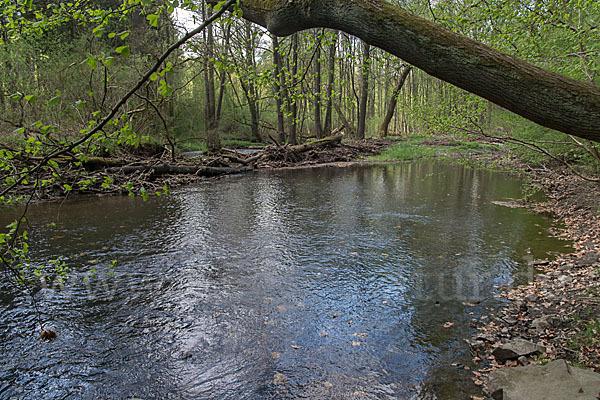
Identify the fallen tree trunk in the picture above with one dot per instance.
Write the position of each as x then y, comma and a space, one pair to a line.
166, 169
300, 148
547, 98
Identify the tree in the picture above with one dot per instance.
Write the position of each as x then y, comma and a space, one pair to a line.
542, 96
364, 90
383, 129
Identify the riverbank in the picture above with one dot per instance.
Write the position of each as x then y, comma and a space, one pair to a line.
559, 310
149, 171
558, 313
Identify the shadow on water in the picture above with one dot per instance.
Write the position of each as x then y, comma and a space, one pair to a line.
320, 283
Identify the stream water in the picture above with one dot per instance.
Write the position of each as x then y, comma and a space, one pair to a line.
326, 283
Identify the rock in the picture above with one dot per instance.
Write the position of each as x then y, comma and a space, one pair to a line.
541, 323
486, 337
542, 277
477, 344
520, 305
523, 360
515, 349
540, 262
554, 381
564, 279
47, 334
532, 298
588, 258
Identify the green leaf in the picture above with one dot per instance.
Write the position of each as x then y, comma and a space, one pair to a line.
91, 62
123, 35
53, 101
98, 31
31, 98
154, 77
111, 35
108, 62
123, 50
153, 19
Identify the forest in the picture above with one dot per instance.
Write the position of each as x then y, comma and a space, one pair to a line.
138, 97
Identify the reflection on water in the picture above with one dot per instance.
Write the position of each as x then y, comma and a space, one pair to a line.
320, 283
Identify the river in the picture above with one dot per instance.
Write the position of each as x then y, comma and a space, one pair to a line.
326, 283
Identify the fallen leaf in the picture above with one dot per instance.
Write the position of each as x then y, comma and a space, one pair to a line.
448, 324
293, 346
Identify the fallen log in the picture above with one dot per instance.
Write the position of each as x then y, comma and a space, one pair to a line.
300, 148
166, 169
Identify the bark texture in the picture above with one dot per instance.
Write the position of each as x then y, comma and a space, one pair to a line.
542, 96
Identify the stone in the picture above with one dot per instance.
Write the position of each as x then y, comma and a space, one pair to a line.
520, 305
588, 258
486, 337
554, 381
477, 344
523, 360
515, 349
532, 297
564, 279
541, 323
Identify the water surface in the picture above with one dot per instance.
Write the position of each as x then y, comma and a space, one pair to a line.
328, 283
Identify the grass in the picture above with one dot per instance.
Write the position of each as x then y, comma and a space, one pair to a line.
415, 149
235, 143
192, 146
586, 336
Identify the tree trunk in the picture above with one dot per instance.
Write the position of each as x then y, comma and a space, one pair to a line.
223, 79
250, 86
348, 126
545, 97
294, 100
279, 80
330, 81
383, 129
317, 88
364, 91
213, 141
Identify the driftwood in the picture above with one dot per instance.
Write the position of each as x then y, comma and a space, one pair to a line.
163, 169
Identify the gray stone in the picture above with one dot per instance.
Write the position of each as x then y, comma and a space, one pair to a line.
509, 320
520, 305
588, 258
554, 381
532, 298
477, 344
523, 360
515, 349
564, 279
486, 337
541, 323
